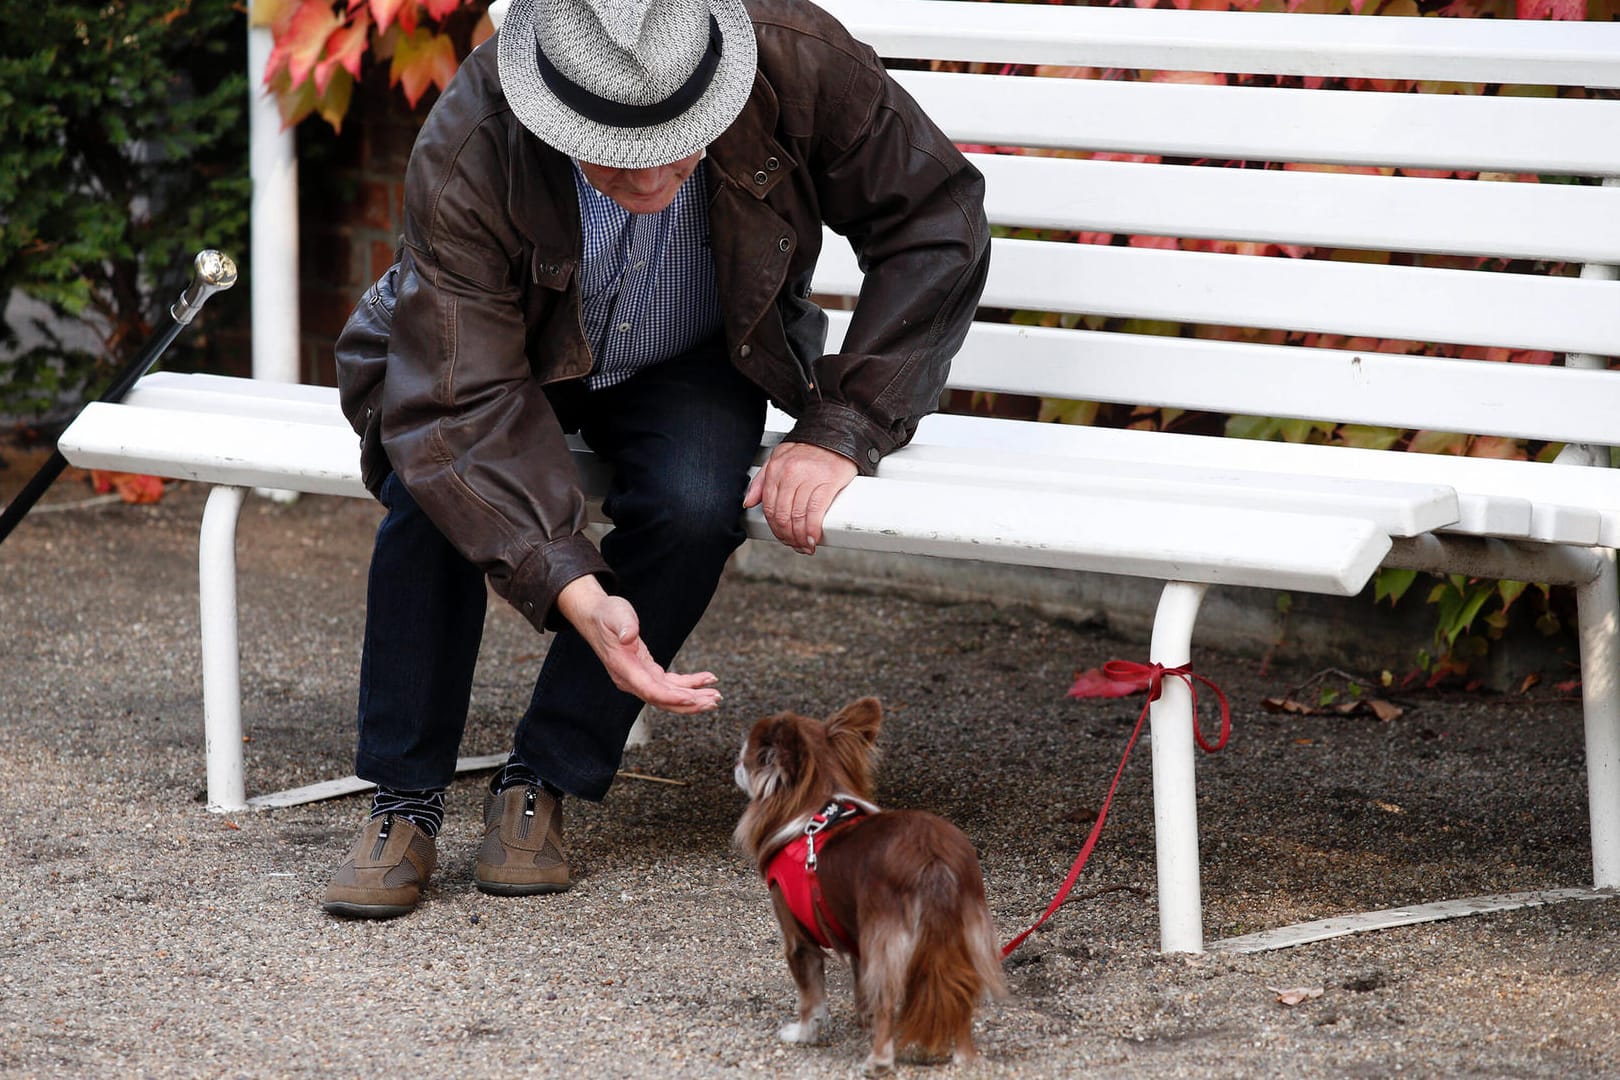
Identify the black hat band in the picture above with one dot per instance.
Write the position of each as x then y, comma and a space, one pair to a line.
622, 114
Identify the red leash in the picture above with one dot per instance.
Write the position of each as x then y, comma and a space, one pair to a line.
1123, 671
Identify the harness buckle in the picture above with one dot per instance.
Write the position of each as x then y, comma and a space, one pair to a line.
830, 814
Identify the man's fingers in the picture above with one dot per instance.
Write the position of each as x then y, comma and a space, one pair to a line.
696, 680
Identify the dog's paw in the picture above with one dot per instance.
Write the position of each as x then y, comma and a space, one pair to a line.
805, 1031
876, 1066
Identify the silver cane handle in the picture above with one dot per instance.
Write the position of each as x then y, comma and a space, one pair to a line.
212, 272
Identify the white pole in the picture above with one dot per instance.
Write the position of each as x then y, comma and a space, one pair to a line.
273, 275
1175, 796
221, 658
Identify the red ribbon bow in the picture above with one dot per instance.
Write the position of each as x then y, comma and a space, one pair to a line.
1153, 674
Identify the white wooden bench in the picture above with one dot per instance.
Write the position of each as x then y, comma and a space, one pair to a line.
1188, 510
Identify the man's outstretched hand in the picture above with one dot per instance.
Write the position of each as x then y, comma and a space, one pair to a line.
610, 627
795, 488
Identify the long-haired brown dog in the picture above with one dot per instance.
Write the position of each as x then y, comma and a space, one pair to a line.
897, 893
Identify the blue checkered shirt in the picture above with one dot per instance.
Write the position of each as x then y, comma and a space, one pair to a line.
646, 280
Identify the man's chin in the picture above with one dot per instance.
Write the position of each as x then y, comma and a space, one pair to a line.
648, 205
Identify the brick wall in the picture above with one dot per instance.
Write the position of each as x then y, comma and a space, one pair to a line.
351, 190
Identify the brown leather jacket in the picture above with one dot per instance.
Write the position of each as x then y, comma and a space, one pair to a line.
482, 311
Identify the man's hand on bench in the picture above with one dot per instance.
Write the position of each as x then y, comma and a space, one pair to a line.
795, 488
611, 628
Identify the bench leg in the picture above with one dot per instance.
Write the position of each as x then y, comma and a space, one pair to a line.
1175, 797
1599, 603
222, 698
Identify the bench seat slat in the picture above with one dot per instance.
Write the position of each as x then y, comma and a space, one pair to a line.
216, 448
1399, 509
1461, 50
1523, 401
294, 402
1339, 127
1467, 307
1579, 490
1219, 545
1377, 213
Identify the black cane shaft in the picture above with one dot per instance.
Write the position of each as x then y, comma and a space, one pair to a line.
214, 272
18, 507
32, 491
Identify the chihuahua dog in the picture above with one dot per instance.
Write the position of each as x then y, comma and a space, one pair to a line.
897, 893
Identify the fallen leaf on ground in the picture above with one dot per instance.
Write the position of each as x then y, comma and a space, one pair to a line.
1296, 994
131, 487
1093, 683
1378, 707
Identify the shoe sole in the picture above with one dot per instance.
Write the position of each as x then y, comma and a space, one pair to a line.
504, 888
367, 911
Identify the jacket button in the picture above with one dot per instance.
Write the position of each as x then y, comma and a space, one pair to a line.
528, 607
784, 244
745, 350
873, 456
772, 164
760, 177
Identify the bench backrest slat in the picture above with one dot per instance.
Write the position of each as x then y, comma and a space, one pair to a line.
1339, 127
1562, 222
1466, 307
1457, 50
1521, 401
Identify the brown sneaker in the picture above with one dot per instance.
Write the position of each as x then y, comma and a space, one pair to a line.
384, 873
522, 853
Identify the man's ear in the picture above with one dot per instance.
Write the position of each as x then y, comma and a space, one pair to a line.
861, 718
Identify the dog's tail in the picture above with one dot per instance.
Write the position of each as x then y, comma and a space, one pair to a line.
955, 964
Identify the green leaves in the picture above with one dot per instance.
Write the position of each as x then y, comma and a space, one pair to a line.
122, 152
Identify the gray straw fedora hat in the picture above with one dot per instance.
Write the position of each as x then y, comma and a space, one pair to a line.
629, 84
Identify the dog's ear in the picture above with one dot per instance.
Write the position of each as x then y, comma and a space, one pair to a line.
777, 753
860, 718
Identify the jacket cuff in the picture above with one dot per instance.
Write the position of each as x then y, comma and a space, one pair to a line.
547, 571
843, 430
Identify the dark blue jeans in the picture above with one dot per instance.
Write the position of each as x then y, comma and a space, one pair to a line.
679, 438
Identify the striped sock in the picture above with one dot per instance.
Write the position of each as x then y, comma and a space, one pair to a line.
516, 774
424, 809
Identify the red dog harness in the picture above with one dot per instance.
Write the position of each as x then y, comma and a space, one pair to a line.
793, 871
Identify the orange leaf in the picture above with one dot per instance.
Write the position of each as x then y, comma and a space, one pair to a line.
345, 47
299, 47
131, 487
420, 59
439, 10
384, 12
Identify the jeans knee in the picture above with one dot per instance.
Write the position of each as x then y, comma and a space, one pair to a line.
700, 524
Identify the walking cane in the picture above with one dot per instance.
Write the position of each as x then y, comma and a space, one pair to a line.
212, 272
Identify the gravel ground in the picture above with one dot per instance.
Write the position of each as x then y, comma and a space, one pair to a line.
141, 935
